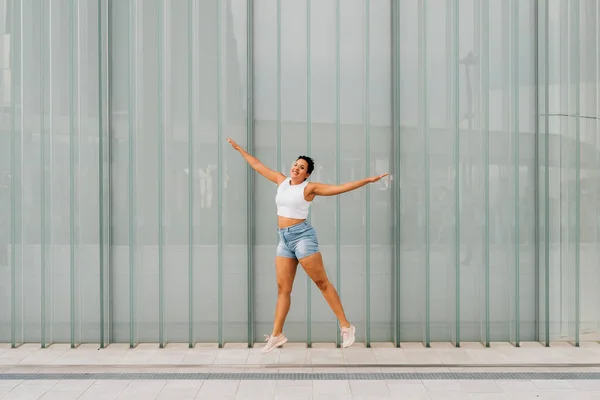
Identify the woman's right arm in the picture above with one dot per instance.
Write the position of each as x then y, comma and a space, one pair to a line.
273, 176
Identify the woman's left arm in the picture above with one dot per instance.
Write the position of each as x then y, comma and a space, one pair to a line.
322, 189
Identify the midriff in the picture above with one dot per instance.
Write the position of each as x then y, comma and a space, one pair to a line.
284, 222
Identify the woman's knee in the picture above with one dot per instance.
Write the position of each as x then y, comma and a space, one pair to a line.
284, 289
322, 283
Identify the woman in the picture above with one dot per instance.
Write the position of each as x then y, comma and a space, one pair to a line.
298, 240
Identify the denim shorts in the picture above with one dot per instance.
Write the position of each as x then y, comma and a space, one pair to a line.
297, 241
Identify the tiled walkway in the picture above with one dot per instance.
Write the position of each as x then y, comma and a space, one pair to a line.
329, 390
295, 372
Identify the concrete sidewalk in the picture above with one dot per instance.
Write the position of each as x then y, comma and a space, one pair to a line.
441, 372
380, 355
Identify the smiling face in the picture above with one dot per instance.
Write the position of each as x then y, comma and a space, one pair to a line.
299, 171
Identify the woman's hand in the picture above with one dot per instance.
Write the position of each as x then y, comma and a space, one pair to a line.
377, 178
233, 144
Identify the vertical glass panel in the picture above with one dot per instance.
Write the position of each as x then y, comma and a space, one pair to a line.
590, 158
574, 80
267, 136
554, 170
395, 175
204, 100
501, 167
555, 32
324, 100
543, 188
382, 213
527, 171
121, 119
234, 82
30, 177
412, 203
176, 169
441, 169
293, 139
89, 195
454, 108
86, 296
5, 173
352, 160
570, 164
473, 109
74, 144
104, 175
146, 171
17, 173
424, 130
59, 188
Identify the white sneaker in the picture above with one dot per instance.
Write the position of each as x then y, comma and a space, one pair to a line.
272, 342
348, 336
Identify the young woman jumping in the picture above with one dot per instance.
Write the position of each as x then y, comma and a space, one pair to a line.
298, 240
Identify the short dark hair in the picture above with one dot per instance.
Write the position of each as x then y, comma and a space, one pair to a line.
309, 161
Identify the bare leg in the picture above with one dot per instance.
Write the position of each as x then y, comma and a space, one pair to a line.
286, 272
313, 265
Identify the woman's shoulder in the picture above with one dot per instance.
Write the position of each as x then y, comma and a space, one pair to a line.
283, 182
310, 186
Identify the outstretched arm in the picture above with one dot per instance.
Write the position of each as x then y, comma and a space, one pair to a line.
322, 189
273, 176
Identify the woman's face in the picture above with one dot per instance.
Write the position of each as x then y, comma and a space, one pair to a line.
299, 170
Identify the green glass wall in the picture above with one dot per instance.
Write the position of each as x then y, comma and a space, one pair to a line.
125, 216
50, 162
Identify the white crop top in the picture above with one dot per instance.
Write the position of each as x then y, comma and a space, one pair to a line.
290, 200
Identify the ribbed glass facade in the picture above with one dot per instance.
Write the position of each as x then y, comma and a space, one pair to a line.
125, 217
